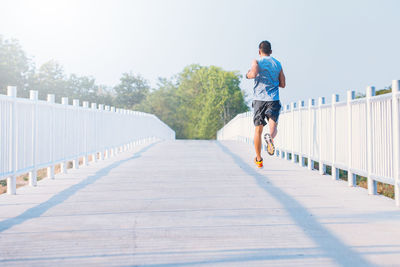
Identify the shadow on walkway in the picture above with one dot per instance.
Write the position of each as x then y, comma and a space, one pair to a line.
328, 242
59, 198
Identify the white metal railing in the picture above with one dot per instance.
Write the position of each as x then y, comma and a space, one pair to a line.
37, 134
361, 136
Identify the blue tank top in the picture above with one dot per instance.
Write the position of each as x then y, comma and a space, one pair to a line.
266, 84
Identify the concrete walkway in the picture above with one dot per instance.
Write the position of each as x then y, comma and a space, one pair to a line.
200, 203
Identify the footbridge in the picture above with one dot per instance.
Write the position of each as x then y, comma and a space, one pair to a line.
121, 191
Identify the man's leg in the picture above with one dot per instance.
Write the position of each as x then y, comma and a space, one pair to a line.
272, 128
257, 140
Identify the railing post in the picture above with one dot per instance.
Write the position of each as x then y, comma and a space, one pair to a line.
282, 135
310, 164
321, 101
120, 146
300, 130
350, 175
292, 107
33, 95
50, 169
64, 164
133, 115
129, 113
94, 155
11, 180
334, 170
396, 139
287, 147
112, 148
85, 160
125, 144
107, 151
101, 152
75, 161
371, 183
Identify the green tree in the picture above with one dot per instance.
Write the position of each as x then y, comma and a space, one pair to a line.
386, 90
16, 68
195, 103
198, 102
51, 79
131, 90
104, 95
164, 103
82, 86
85, 88
209, 97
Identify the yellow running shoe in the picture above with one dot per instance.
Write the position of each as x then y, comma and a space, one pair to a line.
259, 163
270, 144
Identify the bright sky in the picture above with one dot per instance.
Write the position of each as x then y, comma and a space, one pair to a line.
325, 47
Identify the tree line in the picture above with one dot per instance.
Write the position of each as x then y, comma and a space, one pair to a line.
195, 102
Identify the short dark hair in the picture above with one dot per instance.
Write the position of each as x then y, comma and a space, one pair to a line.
265, 47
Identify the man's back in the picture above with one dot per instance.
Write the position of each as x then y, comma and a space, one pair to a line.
266, 84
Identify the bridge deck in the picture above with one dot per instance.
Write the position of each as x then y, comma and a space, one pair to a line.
183, 203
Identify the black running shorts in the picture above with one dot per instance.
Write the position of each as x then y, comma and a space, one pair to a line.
265, 110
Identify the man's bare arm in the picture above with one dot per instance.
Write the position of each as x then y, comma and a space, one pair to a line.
252, 73
282, 79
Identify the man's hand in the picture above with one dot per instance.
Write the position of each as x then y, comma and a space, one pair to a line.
252, 73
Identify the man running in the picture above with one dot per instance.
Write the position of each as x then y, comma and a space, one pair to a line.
268, 77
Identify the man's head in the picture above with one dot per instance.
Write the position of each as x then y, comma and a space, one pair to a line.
265, 48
